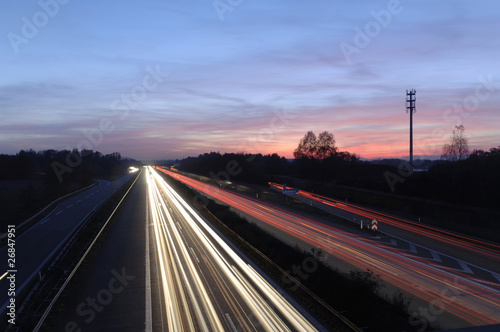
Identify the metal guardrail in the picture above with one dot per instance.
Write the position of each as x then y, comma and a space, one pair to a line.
52, 204
31, 282
66, 282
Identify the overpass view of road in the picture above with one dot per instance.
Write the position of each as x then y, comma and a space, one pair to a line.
145, 149
163, 267
206, 284
467, 298
474, 257
167, 269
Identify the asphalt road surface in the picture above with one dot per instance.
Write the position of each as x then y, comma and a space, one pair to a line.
443, 290
180, 275
39, 243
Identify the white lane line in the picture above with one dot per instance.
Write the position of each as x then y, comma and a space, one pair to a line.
413, 248
194, 254
435, 257
87, 196
78, 201
67, 207
465, 267
393, 243
44, 221
148, 310
230, 321
59, 212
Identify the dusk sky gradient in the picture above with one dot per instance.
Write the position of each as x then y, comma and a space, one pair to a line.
255, 77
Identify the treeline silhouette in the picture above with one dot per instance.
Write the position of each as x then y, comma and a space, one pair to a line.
474, 181
29, 180
259, 169
254, 168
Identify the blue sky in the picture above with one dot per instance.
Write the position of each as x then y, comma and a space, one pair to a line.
246, 75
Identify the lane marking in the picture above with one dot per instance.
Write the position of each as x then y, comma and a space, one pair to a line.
435, 257
59, 212
465, 267
44, 221
78, 201
194, 254
67, 207
230, 321
393, 242
148, 310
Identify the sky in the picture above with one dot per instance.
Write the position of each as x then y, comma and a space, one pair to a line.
170, 79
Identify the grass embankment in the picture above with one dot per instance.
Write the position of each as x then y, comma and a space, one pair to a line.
355, 294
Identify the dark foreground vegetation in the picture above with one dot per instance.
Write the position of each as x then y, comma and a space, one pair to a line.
30, 180
355, 294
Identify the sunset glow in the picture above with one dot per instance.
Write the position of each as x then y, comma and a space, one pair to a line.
162, 80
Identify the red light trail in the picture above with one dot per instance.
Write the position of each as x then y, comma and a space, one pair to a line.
469, 300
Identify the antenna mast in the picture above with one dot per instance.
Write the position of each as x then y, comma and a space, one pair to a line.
410, 108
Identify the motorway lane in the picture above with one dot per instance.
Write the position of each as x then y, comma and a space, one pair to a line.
180, 276
111, 295
478, 259
450, 291
207, 286
37, 244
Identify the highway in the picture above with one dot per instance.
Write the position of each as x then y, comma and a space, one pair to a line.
472, 302
38, 244
477, 258
206, 284
181, 275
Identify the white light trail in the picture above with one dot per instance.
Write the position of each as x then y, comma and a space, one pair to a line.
264, 300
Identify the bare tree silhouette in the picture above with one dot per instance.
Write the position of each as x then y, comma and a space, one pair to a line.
458, 149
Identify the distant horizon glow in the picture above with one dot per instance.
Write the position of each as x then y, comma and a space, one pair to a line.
162, 80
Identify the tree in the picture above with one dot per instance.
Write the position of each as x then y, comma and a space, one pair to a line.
307, 147
325, 145
458, 149
312, 147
